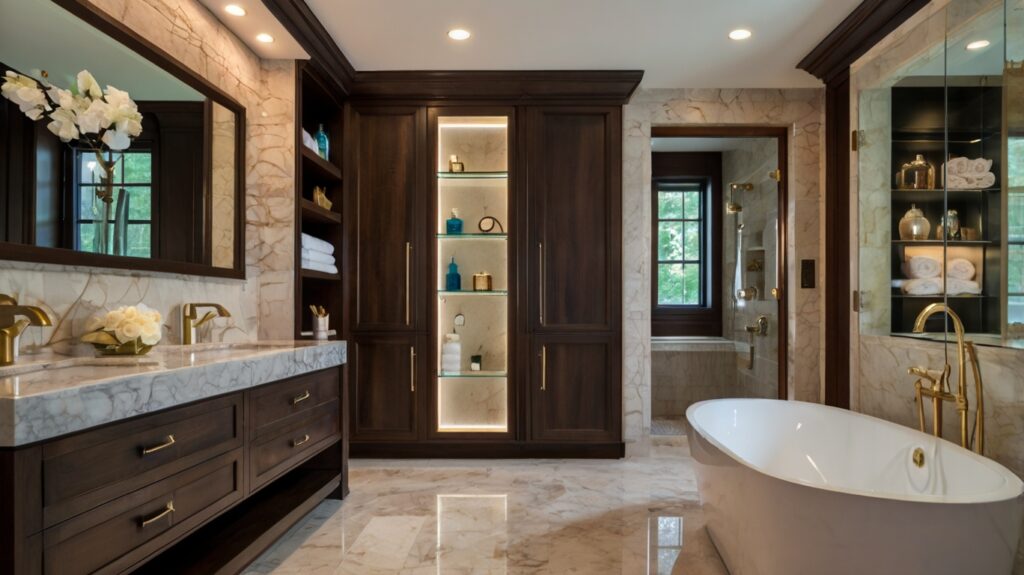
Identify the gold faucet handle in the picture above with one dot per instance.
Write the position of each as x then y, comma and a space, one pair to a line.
8, 299
935, 377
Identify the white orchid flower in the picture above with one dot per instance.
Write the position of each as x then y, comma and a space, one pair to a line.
62, 124
122, 112
94, 118
88, 86
116, 140
26, 93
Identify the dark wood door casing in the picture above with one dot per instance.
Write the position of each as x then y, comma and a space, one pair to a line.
390, 253
574, 239
387, 376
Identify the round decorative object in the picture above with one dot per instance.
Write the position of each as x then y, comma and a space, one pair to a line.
482, 282
913, 225
488, 223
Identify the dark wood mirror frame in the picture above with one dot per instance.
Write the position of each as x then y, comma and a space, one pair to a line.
118, 31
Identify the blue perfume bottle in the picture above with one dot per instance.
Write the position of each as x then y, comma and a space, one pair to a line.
453, 281
323, 143
454, 224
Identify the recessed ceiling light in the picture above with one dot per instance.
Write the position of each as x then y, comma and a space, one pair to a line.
979, 44
740, 34
265, 38
234, 10
459, 34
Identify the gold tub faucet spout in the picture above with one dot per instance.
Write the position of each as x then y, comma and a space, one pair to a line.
11, 326
190, 319
935, 384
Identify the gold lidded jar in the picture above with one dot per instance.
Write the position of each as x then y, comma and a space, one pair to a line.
916, 175
913, 225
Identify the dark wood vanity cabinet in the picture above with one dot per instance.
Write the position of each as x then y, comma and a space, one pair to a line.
386, 370
169, 492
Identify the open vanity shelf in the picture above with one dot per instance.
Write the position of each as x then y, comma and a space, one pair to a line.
316, 104
941, 122
471, 399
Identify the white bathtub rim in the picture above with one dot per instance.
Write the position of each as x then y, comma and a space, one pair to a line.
1013, 487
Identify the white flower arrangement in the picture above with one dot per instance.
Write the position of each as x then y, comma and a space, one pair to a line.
126, 330
101, 119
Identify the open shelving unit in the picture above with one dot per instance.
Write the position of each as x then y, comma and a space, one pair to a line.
316, 104
473, 403
942, 122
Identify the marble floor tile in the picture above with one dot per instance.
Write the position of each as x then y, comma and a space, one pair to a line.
638, 515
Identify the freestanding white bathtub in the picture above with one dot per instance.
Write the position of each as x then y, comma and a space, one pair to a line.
793, 488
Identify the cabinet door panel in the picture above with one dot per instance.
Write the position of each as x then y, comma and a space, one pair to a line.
575, 392
575, 240
386, 376
388, 189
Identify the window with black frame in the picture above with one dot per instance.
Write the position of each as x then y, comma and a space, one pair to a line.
133, 176
682, 246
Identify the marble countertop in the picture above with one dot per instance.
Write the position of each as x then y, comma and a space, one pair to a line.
50, 394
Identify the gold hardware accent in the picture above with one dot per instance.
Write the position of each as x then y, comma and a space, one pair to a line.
412, 369
540, 286
935, 385
168, 509
543, 368
7, 299
190, 319
408, 259
170, 441
747, 293
11, 327
776, 293
298, 442
775, 174
918, 457
300, 398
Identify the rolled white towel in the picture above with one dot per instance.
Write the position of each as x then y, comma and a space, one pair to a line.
319, 267
957, 166
962, 287
925, 286
957, 182
922, 267
979, 166
960, 269
315, 256
316, 244
982, 181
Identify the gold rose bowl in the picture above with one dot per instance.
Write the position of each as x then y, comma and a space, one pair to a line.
106, 343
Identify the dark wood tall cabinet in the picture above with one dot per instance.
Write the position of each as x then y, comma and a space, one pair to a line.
562, 238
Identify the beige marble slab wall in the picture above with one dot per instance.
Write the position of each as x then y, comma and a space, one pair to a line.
802, 113
261, 305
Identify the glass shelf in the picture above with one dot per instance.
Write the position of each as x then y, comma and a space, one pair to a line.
472, 236
472, 175
472, 374
494, 293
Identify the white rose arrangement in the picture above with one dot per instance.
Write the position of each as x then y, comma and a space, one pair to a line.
127, 330
102, 121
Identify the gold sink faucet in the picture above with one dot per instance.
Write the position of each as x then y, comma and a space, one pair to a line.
935, 383
190, 319
11, 327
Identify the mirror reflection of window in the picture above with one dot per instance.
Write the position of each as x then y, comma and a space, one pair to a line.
132, 177
1015, 235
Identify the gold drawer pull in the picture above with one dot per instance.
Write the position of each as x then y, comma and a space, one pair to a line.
170, 441
298, 442
168, 509
300, 398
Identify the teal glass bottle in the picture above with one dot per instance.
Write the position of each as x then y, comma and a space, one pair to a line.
452, 280
323, 143
454, 223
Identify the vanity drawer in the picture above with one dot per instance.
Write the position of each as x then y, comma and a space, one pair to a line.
274, 402
117, 535
291, 442
91, 468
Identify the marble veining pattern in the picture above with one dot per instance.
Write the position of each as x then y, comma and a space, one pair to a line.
802, 112
76, 393
632, 516
261, 305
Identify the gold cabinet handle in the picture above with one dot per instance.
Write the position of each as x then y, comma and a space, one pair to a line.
170, 441
412, 369
408, 287
544, 368
300, 398
298, 442
167, 510
540, 264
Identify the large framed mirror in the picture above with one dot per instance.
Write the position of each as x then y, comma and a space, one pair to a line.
171, 201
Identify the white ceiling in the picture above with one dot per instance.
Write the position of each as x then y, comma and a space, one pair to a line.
679, 43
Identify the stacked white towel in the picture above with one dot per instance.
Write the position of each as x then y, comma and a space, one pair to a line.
967, 174
933, 286
318, 255
961, 269
922, 267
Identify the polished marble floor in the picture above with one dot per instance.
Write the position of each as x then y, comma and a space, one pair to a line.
632, 516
